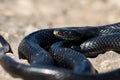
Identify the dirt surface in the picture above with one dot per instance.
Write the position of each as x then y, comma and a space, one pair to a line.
21, 17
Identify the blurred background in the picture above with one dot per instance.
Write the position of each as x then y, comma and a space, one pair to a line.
18, 18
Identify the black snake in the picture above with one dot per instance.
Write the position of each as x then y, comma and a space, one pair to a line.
59, 53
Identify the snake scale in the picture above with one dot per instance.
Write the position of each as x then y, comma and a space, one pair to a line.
61, 53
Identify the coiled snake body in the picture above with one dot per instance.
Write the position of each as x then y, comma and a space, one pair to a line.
52, 57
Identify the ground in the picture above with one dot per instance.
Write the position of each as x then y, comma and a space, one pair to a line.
18, 18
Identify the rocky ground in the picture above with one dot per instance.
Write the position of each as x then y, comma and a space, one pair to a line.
21, 17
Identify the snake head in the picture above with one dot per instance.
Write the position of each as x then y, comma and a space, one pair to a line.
76, 33
68, 34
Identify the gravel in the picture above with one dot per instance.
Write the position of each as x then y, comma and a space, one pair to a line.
18, 18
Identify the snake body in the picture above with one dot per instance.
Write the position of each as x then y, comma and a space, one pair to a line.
59, 61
